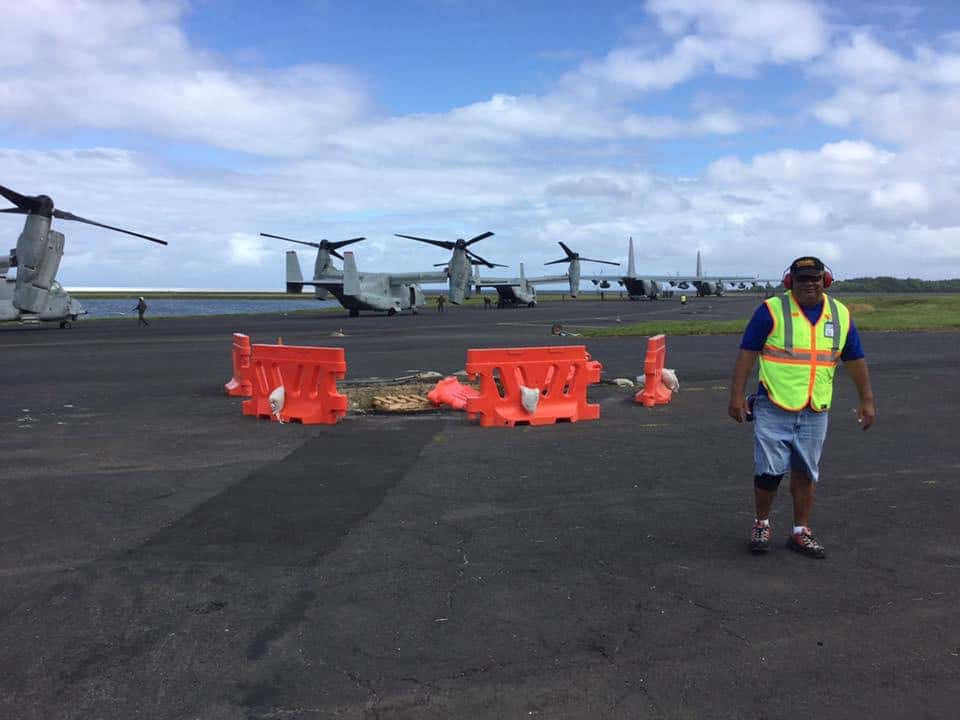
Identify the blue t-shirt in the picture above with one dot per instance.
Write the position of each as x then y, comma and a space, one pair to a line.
761, 325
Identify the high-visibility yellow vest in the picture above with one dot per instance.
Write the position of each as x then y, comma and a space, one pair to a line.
798, 360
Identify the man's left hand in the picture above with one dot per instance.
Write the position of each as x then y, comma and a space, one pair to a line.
866, 414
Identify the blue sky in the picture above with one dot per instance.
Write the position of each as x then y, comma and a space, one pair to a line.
754, 132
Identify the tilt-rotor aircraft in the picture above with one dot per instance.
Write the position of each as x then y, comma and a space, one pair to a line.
649, 286
523, 291
35, 295
378, 292
461, 263
515, 292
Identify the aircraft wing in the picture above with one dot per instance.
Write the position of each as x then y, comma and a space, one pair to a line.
671, 278
331, 281
427, 277
494, 282
544, 279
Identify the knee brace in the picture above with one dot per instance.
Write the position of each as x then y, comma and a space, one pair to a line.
767, 482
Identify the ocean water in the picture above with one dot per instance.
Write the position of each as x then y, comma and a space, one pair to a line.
160, 307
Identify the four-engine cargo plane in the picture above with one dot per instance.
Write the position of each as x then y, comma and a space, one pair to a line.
650, 286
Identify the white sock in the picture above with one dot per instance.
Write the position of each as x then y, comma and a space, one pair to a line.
765, 523
797, 529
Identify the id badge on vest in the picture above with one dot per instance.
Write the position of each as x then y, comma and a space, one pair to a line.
828, 329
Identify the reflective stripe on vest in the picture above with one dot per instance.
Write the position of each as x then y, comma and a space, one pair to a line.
794, 370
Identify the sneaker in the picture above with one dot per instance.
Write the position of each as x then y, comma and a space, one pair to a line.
805, 544
759, 539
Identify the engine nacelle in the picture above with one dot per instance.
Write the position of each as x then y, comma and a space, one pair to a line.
38, 254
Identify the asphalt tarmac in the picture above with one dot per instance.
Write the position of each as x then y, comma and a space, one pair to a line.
163, 556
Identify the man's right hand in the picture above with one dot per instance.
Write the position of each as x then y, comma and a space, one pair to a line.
737, 409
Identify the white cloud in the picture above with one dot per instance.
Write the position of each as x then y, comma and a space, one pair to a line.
737, 35
909, 100
901, 195
248, 250
128, 66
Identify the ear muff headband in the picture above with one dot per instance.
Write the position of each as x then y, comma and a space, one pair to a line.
827, 278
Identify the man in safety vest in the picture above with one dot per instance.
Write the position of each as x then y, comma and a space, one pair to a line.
800, 337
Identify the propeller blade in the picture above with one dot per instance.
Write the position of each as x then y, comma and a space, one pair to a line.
440, 264
473, 256
62, 215
605, 262
16, 210
570, 253
478, 238
281, 237
336, 254
16, 198
439, 243
556, 262
343, 243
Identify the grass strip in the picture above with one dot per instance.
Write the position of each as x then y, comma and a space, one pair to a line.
871, 313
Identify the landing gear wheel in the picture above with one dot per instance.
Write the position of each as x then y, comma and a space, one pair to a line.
531, 304
391, 311
65, 324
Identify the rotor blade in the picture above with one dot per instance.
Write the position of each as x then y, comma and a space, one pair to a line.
62, 215
605, 262
336, 254
440, 264
281, 237
478, 238
16, 210
472, 255
439, 243
16, 198
343, 243
556, 262
570, 253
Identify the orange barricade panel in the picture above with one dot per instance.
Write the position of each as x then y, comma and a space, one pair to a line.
532, 386
308, 376
654, 392
239, 385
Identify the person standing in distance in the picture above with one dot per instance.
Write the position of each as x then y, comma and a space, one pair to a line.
799, 336
141, 308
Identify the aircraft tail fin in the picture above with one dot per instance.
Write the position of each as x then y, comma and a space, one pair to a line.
631, 265
351, 277
294, 276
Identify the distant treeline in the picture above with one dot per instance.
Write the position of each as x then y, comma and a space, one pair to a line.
897, 285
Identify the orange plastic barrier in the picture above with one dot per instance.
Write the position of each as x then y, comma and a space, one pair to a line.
556, 379
308, 378
452, 392
239, 385
654, 392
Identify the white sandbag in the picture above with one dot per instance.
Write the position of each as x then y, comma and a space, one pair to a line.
669, 378
276, 400
529, 398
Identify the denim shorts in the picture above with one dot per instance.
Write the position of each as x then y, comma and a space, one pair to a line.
785, 439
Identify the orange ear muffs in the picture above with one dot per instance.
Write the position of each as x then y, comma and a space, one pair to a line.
788, 280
